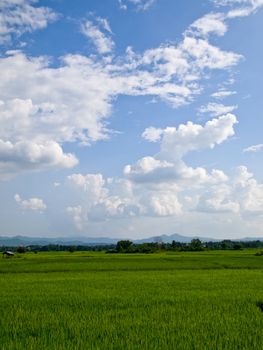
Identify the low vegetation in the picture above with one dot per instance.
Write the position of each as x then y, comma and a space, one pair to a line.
170, 300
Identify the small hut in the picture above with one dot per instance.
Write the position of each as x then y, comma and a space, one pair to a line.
8, 253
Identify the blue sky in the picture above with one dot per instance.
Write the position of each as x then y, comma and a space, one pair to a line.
131, 118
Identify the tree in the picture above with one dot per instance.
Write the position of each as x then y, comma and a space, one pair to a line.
123, 246
21, 249
72, 249
237, 246
196, 244
176, 245
226, 244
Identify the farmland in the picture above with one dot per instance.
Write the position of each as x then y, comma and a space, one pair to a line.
187, 300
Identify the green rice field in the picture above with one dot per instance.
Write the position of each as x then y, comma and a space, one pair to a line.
189, 300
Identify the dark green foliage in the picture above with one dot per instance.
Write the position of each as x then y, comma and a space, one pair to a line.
123, 246
72, 249
237, 246
196, 245
21, 249
260, 305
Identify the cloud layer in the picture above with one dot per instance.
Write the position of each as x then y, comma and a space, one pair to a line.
165, 186
51, 105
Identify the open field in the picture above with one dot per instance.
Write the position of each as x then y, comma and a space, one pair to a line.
199, 301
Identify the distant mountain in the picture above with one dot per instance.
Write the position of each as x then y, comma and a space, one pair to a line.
174, 237
251, 239
25, 241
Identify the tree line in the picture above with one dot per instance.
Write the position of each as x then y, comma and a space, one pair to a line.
127, 246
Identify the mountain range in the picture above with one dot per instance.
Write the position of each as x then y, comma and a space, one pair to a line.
25, 241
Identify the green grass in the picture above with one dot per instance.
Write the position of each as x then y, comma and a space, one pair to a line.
199, 301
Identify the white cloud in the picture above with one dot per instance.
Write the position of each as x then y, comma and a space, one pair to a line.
118, 199
248, 191
101, 198
218, 200
216, 109
254, 148
168, 167
221, 94
140, 5
240, 8
211, 23
173, 72
176, 142
122, 5
152, 186
64, 104
152, 134
70, 103
35, 204
26, 155
167, 176
103, 43
209, 56
77, 215
165, 186
165, 204
91, 184
241, 194
21, 16
105, 24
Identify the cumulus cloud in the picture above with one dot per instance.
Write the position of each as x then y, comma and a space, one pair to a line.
163, 185
35, 204
248, 191
105, 199
112, 199
167, 171
21, 16
176, 142
26, 155
218, 200
101, 199
155, 185
64, 104
254, 148
241, 194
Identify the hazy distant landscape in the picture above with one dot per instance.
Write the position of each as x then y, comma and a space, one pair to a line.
23, 240
26, 241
